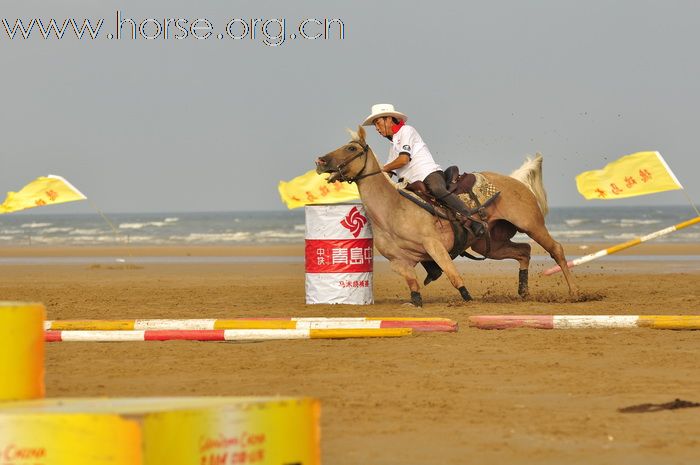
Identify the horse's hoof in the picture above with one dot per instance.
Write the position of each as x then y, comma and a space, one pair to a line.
416, 299
522, 284
523, 292
433, 274
465, 294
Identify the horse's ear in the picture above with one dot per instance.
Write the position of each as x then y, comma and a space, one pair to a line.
361, 133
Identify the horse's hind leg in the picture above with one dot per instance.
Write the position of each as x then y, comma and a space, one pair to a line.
556, 251
516, 251
438, 253
408, 271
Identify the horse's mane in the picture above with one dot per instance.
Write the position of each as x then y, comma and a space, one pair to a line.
530, 174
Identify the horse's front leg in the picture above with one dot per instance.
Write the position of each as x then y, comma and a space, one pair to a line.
408, 271
440, 255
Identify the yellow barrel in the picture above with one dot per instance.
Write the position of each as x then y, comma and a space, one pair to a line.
21, 350
161, 431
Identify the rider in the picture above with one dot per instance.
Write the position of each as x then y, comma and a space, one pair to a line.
410, 158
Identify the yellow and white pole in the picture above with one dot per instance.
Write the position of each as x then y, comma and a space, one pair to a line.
623, 246
21, 350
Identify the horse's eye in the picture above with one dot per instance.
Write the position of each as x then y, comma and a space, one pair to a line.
351, 148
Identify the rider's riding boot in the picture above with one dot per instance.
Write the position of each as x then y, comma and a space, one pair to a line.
456, 204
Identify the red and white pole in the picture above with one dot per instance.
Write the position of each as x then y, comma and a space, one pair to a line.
339, 258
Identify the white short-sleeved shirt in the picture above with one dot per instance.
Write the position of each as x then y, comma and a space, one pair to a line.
422, 164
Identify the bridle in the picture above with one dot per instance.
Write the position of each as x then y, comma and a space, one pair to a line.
361, 174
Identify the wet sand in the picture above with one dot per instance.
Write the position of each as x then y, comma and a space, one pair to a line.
513, 396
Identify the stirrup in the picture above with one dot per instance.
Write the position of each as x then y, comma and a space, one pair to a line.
477, 229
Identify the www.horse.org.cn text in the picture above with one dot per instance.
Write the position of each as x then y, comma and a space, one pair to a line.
271, 32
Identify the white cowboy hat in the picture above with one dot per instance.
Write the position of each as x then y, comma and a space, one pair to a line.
383, 109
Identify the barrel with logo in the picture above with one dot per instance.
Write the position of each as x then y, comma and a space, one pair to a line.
338, 255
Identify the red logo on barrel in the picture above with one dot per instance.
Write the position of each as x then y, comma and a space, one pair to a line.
338, 255
354, 222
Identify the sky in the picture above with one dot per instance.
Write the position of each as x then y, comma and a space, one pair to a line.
169, 125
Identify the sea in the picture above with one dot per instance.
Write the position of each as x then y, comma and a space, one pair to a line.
566, 224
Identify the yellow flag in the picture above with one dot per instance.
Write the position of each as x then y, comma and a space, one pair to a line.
637, 174
45, 190
313, 188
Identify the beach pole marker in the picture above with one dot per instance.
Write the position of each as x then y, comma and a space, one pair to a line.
220, 334
675, 322
623, 246
417, 324
678, 322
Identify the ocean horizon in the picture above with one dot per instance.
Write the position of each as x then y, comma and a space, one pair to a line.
566, 224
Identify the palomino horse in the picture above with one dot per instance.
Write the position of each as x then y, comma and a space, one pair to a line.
406, 234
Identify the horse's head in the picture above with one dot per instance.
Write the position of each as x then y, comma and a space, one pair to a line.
347, 162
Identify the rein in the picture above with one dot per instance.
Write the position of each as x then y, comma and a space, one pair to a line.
360, 175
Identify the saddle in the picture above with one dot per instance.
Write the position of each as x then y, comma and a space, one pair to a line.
456, 184
464, 186
473, 189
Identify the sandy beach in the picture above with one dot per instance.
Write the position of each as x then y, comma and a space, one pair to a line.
297, 250
169, 160
513, 396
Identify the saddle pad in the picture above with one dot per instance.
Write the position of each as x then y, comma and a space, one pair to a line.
483, 190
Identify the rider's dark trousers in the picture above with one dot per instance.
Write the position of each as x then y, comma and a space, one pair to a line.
435, 182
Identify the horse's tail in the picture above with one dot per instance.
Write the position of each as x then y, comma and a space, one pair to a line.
530, 174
